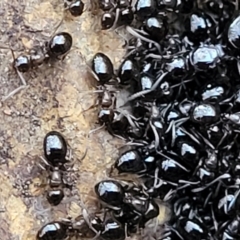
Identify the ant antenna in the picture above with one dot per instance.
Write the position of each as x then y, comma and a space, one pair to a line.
55, 28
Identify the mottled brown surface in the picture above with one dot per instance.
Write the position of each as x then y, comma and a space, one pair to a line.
54, 99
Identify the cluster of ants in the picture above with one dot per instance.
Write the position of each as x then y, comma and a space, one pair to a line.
128, 207
179, 111
116, 14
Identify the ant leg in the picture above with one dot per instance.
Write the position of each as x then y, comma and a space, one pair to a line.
41, 166
57, 27
223, 176
190, 135
89, 108
215, 223
117, 30
96, 101
154, 87
86, 217
116, 20
70, 165
157, 139
22, 78
234, 200
47, 165
136, 34
170, 126
13, 93
173, 135
95, 130
237, 5
206, 141
69, 153
94, 75
207, 199
238, 64
131, 143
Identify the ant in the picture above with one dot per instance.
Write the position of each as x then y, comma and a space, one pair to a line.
75, 7
58, 46
55, 151
55, 49
114, 113
87, 226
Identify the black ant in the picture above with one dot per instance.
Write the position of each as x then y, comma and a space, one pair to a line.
54, 49
75, 7
55, 151
58, 46
114, 112
86, 226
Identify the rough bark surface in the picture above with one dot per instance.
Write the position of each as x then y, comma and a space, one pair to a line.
54, 99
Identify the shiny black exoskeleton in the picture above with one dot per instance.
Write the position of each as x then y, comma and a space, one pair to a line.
127, 72
75, 7
176, 67
112, 230
231, 230
55, 150
192, 229
145, 8
166, 4
130, 162
136, 210
187, 151
233, 33
106, 5
198, 27
221, 11
152, 211
106, 116
55, 196
102, 67
206, 57
117, 121
106, 113
22, 63
181, 72
208, 169
127, 215
156, 27
107, 20
226, 203
172, 170
157, 188
123, 3
204, 114
110, 192
214, 92
126, 16
145, 82
59, 45
86, 226
116, 13
53, 231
